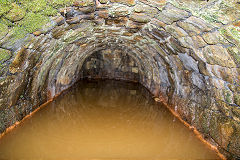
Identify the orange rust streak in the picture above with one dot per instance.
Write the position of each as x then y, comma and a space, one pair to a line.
29, 115
26, 117
195, 131
38, 108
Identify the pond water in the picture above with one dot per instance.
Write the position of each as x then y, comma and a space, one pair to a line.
103, 120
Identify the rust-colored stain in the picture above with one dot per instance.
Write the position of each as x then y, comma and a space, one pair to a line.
237, 24
192, 128
157, 99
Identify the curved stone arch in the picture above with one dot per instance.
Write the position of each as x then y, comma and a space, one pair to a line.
142, 62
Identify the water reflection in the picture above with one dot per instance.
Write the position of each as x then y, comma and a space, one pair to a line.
103, 120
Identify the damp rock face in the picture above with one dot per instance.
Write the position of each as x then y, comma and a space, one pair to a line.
181, 52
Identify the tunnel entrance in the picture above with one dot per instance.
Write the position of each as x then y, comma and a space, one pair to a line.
110, 64
103, 119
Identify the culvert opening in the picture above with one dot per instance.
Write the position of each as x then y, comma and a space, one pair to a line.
111, 64
103, 119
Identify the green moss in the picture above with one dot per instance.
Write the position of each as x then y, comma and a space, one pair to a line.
6, 22
18, 32
236, 57
26, 16
3, 30
61, 3
211, 18
237, 99
227, 96
49, 11
235, 33
16, 13
231, 34
34, 5
4, 55
4, 7
33, 21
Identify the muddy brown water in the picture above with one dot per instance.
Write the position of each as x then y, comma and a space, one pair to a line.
103, 120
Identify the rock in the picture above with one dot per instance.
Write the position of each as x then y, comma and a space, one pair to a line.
188, 62
84, 3
160, 34
88, 9
17, 88
212, 37
218, 83
203, 68
81, 32
139, 17
235, 139
177, 32
197, 80
189, 28
77, 19
119, 11
227, 74
172, 14
57, 32
217, 55
235, 53
4, 8
187, 42
18, 61
138, 38
199, 23
194, 42
133, 26
158, 23
16, 13
12, 42
237, 100
157, 99
103, 1
37, 33
175, 45
60, 20
3, 30
48, 27
194, 25
67, 12
127, 2
198, 41
134, 69
226, 132
141, 8
102, 14
4, 55
128, 34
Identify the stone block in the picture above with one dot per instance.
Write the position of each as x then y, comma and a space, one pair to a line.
127, 2
218, 55
172, 14
139, 17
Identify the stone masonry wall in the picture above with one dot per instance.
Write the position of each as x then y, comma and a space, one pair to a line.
110, 64
180, 57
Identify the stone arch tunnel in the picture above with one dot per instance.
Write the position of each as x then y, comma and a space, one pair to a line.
179, 57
